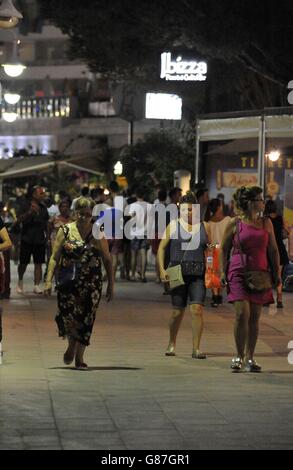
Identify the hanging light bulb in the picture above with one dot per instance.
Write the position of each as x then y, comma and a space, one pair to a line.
274, 155
11, 98
14, 68
9, 116
9, 15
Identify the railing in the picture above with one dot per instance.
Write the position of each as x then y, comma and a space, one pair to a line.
31, 108
58, 107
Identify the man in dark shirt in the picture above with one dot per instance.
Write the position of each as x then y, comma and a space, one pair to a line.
33, 217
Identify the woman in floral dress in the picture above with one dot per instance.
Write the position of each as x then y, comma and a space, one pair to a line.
77, 254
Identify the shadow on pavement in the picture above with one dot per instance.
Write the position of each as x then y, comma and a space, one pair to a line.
89, 369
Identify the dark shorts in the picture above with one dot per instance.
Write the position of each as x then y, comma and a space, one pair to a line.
140, 244
193, 290
115, 246
27, 250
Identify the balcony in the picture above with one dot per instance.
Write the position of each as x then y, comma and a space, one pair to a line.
58, 107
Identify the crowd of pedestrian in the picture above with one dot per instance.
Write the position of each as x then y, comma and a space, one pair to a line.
106, 235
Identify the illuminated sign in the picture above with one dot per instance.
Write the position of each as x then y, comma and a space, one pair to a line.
163, 106
181, 70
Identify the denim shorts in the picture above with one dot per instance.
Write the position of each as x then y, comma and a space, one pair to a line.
193, 292
140, 244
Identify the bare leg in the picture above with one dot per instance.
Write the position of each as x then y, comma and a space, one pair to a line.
38, 274
253, 329
242, 309
114, 264
143, 260
133, 262
80, 348
280, 287
174, 325
70, 351
197, 326
21, 271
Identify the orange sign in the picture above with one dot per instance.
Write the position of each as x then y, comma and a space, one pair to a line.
236, 179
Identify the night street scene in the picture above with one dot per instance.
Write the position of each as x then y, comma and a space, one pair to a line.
146, 229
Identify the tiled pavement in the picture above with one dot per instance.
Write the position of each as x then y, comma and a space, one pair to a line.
132, 396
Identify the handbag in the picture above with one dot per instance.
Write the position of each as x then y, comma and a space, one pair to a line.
66, 276
67, 271
175, 276
212, 278
185, 268
2, 273
255, 281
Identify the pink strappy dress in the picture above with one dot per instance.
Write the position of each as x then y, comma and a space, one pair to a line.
254, 243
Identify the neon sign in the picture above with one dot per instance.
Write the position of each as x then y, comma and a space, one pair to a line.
182, 70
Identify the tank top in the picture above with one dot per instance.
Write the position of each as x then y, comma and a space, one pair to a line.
196, 244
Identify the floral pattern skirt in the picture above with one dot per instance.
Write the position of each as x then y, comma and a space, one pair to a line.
77, 306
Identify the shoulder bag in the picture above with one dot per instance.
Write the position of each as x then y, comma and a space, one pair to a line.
190, 268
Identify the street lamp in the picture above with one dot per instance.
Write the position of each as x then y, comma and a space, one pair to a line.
9, 116
14, 68
9, 15
11, 98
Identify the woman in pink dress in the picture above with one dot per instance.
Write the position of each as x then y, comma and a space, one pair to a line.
253, 235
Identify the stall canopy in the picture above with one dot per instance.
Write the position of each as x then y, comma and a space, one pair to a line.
28, 166
19, 167
252, 130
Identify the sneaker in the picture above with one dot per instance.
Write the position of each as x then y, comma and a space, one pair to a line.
252, 366
37, 290
19, 288
236, 364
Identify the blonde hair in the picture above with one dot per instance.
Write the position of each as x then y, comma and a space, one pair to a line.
84, 203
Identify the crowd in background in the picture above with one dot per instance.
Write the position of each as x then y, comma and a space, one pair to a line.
129, 257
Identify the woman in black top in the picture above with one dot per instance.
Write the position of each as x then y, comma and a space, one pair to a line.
281, 232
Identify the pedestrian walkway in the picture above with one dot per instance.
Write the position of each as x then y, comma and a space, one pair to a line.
132, 396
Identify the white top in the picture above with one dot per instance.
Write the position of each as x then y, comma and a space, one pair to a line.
140, 213
218, 229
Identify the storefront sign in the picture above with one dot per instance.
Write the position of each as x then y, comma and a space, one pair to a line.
235, 179
182, 70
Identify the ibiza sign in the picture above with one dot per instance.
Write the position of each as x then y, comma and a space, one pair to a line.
182, 70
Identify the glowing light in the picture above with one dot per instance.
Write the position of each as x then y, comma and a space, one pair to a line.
274, 155
118, 169
106, 192
14, 70
163, 106
182, 70
9, 117
11, 98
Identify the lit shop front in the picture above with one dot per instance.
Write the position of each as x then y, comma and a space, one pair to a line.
235, 150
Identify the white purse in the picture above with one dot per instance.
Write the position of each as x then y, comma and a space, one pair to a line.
175, 276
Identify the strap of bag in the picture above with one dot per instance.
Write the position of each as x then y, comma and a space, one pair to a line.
189, 245
65, 230
239, 243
